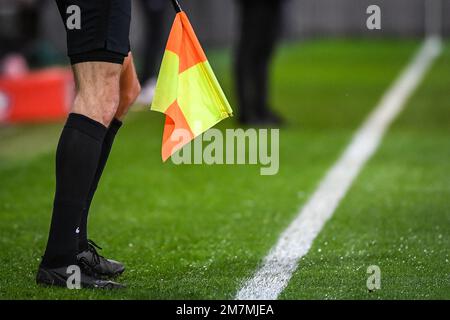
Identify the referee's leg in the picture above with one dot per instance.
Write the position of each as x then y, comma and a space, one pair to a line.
97, 54
130, 87
78, 154
129, 90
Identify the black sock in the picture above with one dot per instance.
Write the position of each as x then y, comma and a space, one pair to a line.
106, 149
77, 159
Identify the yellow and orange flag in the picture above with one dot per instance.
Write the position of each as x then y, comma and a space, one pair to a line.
187, 91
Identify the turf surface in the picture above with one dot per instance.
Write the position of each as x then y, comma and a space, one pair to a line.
195, 231
397, 214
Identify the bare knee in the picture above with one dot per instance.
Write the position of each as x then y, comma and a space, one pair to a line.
98, 90
100, 108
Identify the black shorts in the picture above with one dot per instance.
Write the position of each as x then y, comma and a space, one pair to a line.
97, 30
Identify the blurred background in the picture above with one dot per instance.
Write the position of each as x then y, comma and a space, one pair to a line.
32, 37
216, 21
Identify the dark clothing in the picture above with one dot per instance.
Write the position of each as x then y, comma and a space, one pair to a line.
106, 150
155, 37
259, 31
19, 27
101, 32
77, 157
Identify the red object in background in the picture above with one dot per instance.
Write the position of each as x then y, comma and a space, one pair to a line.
37, 96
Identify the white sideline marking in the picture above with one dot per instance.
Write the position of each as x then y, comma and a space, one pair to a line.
278, 266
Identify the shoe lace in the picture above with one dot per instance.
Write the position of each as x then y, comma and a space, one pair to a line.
92, 247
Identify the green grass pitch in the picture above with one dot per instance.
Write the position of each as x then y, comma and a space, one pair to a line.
198, 232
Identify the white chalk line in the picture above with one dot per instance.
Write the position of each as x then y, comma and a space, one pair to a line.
281, 262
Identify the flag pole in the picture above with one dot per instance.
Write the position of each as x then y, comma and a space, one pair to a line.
176, 6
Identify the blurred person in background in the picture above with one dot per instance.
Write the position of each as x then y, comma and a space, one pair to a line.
154, 42
22, 45
19, 21
259, 30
